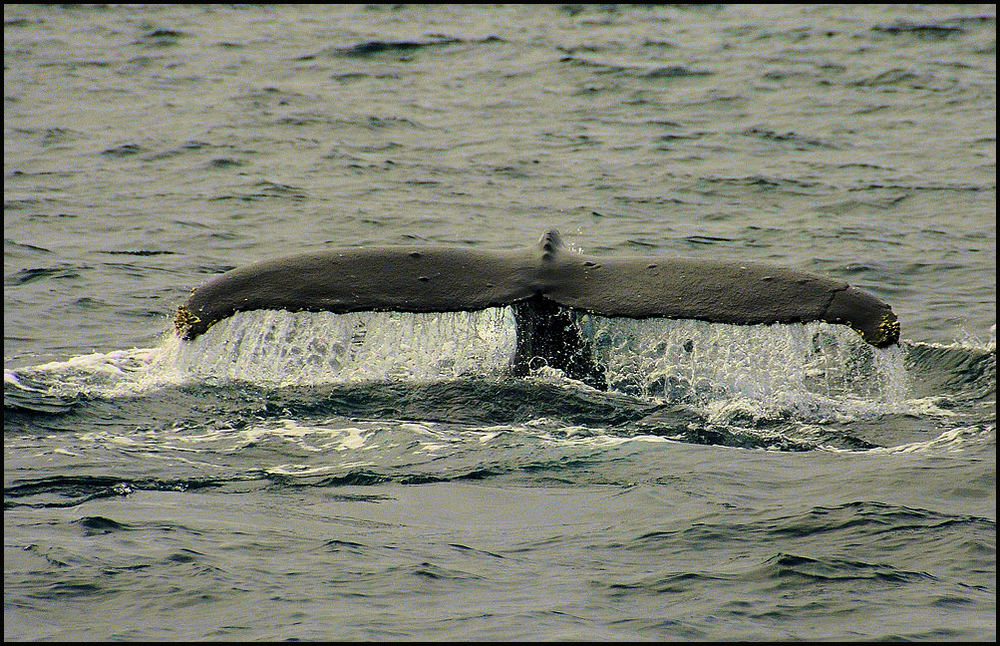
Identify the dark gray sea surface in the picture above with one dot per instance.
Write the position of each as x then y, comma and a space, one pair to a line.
377, 476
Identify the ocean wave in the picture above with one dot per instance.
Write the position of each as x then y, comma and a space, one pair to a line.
376, 47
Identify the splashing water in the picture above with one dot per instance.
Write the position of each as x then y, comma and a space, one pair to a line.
815, 369
301, 348
700, 362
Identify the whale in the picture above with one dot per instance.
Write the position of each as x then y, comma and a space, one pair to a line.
547, 285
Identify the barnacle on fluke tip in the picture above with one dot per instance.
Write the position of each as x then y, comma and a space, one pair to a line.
184, 321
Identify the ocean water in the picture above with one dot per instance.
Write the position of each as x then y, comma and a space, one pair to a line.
381, 476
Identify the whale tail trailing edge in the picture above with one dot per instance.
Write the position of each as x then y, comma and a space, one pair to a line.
547, 284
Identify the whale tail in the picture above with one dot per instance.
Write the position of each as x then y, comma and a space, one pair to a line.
548, 286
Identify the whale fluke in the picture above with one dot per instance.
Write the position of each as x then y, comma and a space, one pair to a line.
547, 284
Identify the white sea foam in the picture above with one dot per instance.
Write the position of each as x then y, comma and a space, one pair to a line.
953, 440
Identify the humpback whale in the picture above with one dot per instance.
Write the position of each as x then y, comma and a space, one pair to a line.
547, 285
